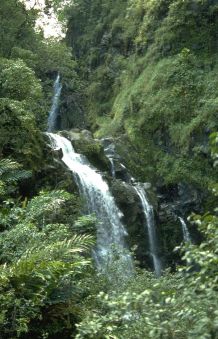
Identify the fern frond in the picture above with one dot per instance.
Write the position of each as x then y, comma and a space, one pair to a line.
15, 175
2, 187
46, 202
8, 165
10, 171
83, 241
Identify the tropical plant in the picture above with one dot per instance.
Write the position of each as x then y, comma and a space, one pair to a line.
41, 267
10, 173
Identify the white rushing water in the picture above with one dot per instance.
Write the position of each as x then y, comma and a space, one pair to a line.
52, 119
150, 225
185, 231
112, 167
109, 151
147, 209
110, 230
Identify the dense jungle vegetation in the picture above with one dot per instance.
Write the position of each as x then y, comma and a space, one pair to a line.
145, 73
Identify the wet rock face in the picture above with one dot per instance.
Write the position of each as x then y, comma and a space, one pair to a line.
178, 200
72, 113
117, 169
121, 172
173, 202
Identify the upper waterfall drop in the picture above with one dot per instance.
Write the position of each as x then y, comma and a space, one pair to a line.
52, 119
110, 230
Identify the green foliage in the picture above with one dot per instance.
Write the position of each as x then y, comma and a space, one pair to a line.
46, 206
10, 173
42, 263
18, 81
21, 93
151, 75
43, 257
20, 137
28, 66
164, 118
183, 305
85, 223
17, 26
214, 147
134, 313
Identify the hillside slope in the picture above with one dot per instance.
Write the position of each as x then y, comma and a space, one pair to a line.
150, 69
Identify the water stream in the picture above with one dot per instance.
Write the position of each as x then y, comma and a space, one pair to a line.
150, 226
185, 231
113, 174
52, 119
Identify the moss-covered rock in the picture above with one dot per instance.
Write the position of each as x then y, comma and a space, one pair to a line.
84, 143
50, 174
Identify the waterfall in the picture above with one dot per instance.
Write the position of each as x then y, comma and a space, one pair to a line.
113, 173
147, 208
110, 230
185, 231
109, 151
52, 119
150, 225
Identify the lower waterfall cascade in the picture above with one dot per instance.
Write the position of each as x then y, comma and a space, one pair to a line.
110, 230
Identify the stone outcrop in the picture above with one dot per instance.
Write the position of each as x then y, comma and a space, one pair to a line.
84, 143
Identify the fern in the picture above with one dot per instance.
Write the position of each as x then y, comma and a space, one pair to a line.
10, 171
8, 165
61, 250
2, 188
46, 204
83, 241
15, 175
